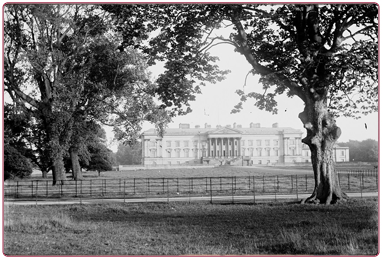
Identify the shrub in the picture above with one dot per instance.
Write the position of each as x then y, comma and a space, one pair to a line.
15, 164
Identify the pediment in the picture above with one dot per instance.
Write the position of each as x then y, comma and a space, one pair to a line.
227, 131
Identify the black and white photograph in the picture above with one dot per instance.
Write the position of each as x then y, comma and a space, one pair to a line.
190, 129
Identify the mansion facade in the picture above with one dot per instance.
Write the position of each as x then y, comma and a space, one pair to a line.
226, 145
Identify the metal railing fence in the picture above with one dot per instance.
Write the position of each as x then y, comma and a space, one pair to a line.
186, 187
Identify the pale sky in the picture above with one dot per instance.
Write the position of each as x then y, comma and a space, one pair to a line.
215, 103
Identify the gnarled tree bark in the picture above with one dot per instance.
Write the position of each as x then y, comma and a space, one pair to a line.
322, 133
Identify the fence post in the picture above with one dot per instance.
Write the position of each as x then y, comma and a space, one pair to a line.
277, 178
17, 189
134, 186
297, 187
360, 184
80, 187
306, 182
91, 183
148, 186
254, 191
177, 184
275, 188
46, 187
348, 181
291, 180
220, 183
105, 186
189, 190
163, 184
206, 185
36, 191
168, 192
233, 201
211, 189
76, 189
263, 184
124, 191
235, 184
32, 188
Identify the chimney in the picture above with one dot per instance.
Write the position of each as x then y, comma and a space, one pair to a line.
184, 126
275, 125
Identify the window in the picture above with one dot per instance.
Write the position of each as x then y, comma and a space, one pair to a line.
267, 142
251, 152
195, 143
195, 153
291, 141
259, 152
152, 144
178, 153
186, 143
268, 152
153, 153
342, 153
168, 143
276, 152
178, 162
243, 142
186, 153
258, 142
168, 153
259, 162
250, 142
275, 142
177, 143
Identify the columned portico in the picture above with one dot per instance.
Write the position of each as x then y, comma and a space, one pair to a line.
223, 147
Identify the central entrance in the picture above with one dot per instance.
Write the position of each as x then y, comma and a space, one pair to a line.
224, 153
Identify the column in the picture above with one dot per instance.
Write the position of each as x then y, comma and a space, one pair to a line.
209, 143
214, 147
232, 147
146, 147
159, 150
221, 147
285, 146
226, 147
239, 147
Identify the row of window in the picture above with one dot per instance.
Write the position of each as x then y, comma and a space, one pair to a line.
259, 142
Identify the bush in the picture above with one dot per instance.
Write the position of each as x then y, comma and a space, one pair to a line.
15, 164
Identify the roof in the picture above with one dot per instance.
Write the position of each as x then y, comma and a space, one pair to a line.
224, 130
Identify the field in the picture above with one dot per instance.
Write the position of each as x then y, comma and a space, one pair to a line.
349, 228
221, 171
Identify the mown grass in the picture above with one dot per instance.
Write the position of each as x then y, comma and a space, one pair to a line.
193, 229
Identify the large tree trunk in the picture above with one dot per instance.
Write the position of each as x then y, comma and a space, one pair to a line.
44, 173
76, 169
58, 170
322, 133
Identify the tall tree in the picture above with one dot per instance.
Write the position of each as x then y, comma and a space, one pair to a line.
362, 151
129, 154
323, 54
63, 67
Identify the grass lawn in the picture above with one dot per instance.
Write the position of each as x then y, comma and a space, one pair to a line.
221, 171
349, 228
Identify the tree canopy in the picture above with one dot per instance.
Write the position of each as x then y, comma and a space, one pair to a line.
326, 55
63, 68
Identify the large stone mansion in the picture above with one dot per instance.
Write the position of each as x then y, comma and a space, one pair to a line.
228, 145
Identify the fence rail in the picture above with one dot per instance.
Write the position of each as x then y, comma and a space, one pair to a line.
366, 181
